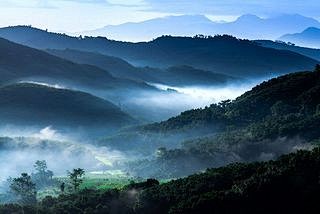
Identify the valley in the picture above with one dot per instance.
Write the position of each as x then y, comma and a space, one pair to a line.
223, 120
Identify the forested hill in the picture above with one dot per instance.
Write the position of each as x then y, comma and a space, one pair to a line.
283, 108
309, 52
218, 54
37, 65
173, 76
274, 118
292, 93
41, 106
288, 185
116, 66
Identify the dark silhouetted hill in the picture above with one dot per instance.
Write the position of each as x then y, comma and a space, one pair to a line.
41, 106
174, 76
221, 54
309, 52
116, 66
20, 63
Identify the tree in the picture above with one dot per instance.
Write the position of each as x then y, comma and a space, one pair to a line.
224, 103
42, 177
24, 189
40, 166
76, 177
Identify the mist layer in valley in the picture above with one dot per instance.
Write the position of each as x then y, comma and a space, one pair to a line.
22, 148
145, 110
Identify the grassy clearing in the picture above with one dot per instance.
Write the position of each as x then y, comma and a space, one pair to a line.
93, 180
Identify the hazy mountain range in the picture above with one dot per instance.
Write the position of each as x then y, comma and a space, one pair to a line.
220, 54
310, 37
247, 26
37, 65
124, 73
309, 52
174, 76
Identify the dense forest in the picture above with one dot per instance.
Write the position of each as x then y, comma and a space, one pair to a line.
276, 117
290, 184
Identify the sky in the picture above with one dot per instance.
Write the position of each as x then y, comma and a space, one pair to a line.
81, 15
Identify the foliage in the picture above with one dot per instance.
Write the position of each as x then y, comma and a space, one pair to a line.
287, 185
24, 189
76, 177
274, 118
43, 177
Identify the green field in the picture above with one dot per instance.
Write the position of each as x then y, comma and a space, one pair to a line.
94, 180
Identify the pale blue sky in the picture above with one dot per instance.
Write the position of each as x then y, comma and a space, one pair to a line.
80, 15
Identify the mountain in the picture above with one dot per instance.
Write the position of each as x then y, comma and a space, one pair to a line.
295, 93
32, 105
274, 118
21, 63
173, 76
186, 25
252, 27
219, 54
246, 26
309, 52
116, 66
189, 76
309, 37
241, 188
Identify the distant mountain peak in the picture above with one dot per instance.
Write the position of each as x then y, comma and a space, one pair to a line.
248, 17
180, 19
312, 30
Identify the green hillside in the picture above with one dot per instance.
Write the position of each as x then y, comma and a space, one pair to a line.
276, 117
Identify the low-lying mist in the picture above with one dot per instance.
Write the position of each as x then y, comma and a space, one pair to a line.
173, 100
164, 102
23, 148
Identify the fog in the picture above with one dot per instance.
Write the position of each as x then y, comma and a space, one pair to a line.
18, 154
172, 100
57, 86
199, 96
165, 101
20, 147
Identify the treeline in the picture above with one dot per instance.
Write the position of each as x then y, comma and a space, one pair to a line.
23, 190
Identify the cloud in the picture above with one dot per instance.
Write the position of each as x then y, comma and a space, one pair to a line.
213, 7
44, 3
85, 1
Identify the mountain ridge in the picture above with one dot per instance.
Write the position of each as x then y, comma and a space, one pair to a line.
246, 26
309, 37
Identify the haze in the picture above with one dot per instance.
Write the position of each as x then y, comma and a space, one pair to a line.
64, 15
